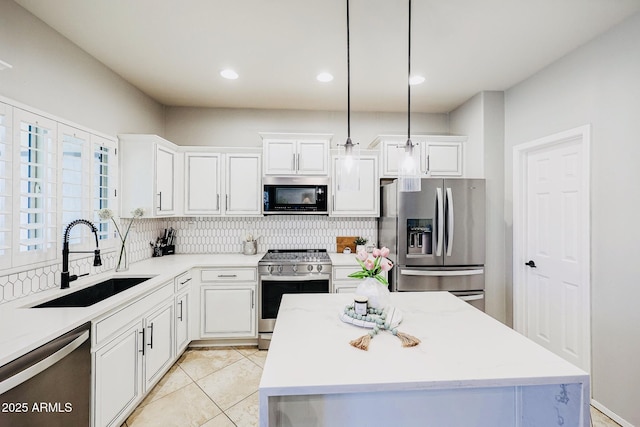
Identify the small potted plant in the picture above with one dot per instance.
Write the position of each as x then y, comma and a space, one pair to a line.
360, 242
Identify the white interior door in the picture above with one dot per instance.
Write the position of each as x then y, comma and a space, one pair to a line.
553, 250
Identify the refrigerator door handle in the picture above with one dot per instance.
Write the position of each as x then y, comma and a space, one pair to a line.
472, 272
439, 221
449, 242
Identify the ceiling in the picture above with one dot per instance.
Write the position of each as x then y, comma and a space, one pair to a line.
173, 50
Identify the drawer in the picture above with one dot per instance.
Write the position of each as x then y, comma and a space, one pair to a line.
228, 275
136, 310
342, 273
182, 281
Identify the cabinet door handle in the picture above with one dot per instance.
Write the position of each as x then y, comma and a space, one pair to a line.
293, 162
151, 335
226, 203
428, 164
227, 275
252, 299
217, 201
160, 201
298, 161
180, 316
143, 342
182, 283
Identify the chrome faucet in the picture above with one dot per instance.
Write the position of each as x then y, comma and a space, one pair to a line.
65, 278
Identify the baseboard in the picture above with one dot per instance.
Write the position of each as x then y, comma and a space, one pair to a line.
609, 413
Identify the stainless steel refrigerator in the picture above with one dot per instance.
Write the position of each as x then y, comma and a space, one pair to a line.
436, 237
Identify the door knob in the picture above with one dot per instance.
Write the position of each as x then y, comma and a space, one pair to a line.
530, 264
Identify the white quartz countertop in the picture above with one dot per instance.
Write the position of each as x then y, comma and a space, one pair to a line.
461, 347
23, 329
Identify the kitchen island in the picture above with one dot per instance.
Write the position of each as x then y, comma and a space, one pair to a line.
469, 370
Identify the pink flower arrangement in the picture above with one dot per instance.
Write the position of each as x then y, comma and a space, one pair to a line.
373, 264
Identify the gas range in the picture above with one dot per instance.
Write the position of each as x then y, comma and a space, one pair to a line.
294, 261
288, 271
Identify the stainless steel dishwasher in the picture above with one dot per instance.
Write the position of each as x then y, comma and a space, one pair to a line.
49, 386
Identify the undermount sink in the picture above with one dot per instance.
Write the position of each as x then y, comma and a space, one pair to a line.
95, 293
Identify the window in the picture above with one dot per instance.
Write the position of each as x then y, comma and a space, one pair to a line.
5, 186
75, 184
104, 175
35, 173
50, 175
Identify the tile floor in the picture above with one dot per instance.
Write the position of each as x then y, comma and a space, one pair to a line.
209, 387
218, 387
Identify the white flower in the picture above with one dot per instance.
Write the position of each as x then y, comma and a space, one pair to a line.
105, 214
137, 212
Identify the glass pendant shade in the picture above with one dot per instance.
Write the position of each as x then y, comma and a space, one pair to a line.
409, 178
349, 167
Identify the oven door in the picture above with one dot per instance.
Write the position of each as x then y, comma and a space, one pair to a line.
272, 287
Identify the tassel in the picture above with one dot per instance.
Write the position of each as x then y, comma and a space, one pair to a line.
362, 343
408, 340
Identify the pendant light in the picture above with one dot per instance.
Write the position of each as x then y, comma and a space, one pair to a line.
349, 158
408, 159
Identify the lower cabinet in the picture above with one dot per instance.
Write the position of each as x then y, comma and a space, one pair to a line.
182, 322
118, 376
227, 302
158, 341
129, 364
228, 311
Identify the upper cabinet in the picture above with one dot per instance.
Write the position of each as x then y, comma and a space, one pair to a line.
218, 183
440, 155
243, 179
296, 154
149, 175
202, 192
365, 201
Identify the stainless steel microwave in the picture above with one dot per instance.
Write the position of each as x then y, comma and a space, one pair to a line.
295, 195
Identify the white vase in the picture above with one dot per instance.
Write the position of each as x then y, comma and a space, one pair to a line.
378, 295
359, 248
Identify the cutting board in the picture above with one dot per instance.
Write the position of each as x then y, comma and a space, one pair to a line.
345, 241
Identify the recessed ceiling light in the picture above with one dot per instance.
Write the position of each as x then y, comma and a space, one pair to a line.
229, 74
416, 80
324, 77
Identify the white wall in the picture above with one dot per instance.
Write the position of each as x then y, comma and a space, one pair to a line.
240, 127
598, 84
55, 76
481, 118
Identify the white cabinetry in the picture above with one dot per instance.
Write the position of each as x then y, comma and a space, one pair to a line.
202, 183
228, 303
158, 338
222, 183
296, 154
365, 201
243, 184
149, 175
342, 283
182, 311
118, 377
440, 155
133, 348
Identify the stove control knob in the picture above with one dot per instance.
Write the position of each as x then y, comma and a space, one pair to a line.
294, 267
319, 267
310, 267
279, 269
270, 269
